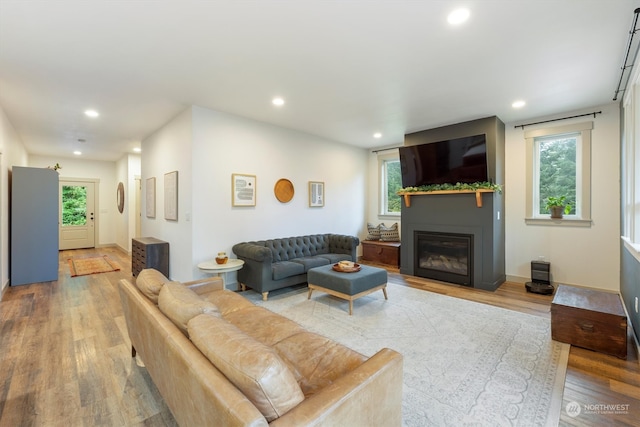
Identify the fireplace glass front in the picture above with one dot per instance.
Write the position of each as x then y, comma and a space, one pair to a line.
446, 257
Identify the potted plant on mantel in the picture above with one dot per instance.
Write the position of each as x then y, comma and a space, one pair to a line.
557, 206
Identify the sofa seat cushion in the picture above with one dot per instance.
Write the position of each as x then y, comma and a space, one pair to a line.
149, 282
335, 258
228, 301
263, 325
310, 262
180, 304
318, 361
251, 366
284, 269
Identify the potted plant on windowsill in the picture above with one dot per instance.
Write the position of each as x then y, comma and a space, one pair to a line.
557, 206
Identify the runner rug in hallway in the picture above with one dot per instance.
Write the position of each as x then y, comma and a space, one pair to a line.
93, 265
465, 363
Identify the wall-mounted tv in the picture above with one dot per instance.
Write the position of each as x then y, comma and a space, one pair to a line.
445, 162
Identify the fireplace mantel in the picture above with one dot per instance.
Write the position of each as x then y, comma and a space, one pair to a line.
407, 195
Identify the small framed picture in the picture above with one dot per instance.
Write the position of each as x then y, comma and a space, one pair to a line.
243, 190
316, 194
171, 196
150, 197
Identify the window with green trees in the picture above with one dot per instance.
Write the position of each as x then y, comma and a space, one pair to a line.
390, 183
557, 170
559, 165
74, 205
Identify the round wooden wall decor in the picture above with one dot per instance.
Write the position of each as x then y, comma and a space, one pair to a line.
120, 197
283, 190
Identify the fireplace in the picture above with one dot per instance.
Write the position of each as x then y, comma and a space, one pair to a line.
447, 257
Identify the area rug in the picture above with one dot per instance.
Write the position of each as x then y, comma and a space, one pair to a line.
94, 265
465, 363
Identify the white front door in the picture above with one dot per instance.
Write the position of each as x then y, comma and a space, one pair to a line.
77, 214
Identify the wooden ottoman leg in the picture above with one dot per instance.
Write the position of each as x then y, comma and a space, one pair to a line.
310, 292
264, 296
384, 291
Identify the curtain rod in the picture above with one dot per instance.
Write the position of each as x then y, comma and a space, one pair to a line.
385, 149
625, 65
555, 120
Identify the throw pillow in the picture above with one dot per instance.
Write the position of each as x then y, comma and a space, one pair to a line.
149, 282
253, 367
180, 304
389, 234
374, 231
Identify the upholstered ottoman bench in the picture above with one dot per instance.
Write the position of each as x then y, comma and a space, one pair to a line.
348, 286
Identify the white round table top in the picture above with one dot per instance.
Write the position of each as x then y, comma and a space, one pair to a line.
213, 266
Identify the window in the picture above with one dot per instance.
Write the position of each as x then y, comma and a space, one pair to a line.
631, 171
559, 162
390, 183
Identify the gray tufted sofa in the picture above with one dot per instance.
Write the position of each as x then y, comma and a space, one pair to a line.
278, 263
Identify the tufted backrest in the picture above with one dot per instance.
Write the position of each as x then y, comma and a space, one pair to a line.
296, 247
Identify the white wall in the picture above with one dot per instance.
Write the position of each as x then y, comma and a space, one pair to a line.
170, 149
12, 153
105, 173
127, 168
581, 256
223, 144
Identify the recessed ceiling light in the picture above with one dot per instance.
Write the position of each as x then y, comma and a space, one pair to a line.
77, 153
518, 104
458, 16
377, 135
91, 113
278, 101
137, 149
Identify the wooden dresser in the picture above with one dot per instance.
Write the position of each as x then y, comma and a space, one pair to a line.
149, 252
591, 319
381, 252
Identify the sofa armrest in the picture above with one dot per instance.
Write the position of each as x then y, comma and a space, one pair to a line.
206, 285
369, 395
252, 251
343, 244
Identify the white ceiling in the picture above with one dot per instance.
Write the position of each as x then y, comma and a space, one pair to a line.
346, 69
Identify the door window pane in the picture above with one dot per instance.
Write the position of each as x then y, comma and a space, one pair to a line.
74, 205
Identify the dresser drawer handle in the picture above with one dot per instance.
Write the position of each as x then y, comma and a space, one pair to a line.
380, 251
588, 327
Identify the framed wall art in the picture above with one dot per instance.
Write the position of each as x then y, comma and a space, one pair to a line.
316, 194
243, 190
171, 196
150, 197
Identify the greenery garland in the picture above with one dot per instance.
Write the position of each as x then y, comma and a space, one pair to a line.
453, 187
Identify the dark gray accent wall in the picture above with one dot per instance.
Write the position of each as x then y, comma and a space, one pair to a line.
458, 213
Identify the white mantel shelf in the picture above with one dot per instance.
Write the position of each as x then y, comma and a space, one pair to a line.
478, 193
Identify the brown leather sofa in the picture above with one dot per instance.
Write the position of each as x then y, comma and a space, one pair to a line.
217, 359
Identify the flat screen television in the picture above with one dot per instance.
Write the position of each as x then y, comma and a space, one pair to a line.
445, 162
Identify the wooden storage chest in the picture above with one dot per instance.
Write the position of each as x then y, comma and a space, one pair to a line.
591, 319
381, 252
149, 252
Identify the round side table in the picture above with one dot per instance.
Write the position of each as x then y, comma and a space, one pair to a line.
212, 267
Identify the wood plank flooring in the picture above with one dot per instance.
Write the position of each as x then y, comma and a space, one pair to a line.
65, 355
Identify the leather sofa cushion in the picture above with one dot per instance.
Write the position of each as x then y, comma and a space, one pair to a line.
318, 361
149, 282
284, 269
180, 304
253, 367
311, 262
228, 301
263, 325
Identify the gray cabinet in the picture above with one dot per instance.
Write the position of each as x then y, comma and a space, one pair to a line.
149, 252
34, 225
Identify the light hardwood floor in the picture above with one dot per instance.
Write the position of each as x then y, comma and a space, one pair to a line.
65, 356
